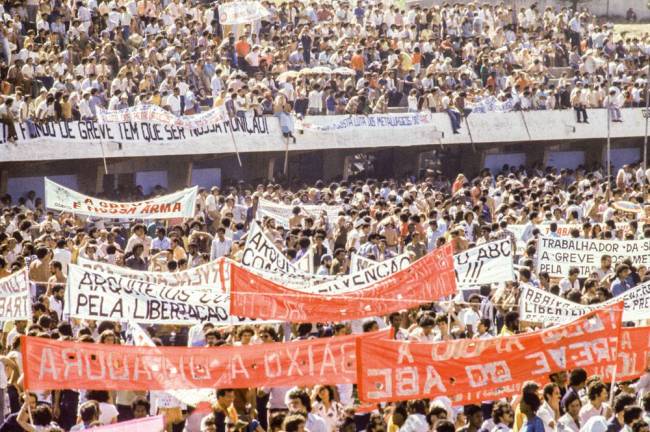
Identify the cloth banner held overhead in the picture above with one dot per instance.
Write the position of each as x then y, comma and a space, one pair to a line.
156, 114
149, 424
281, 213
241, 12
96, 295
536, 305
474, 369
50, 364
428, 279
360, 263
175, 205
263, 258
215, 274
15, 300
557, 255
485, 264
563, 230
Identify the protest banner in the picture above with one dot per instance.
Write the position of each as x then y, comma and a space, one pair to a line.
474, 369
539, 306
563, 230
50, 365
156, 114
404, 120
485, 264
281, 213
252, 134
360, 263
15, 299
190, 397
241, 12
427, 280
178, 204
633, 354
215, 274
92, 294
262, 254
263, 258
556, 255
149, 424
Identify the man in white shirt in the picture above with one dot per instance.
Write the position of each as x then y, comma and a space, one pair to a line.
220, 245
571, 282
174, 102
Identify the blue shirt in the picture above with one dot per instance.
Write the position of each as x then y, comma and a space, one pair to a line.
620, 286
533, 425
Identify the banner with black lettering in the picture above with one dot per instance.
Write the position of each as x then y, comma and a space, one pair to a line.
556, 255
156, 114
95, 295
360, 263
262, 257
215, 274
175, 205
536, 305
485, 264
15, 300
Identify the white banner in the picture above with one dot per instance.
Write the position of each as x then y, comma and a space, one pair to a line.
485, 264
156, 114
215, 274
536, 305
260, 253
91, 139
360, 263
15, 300
281, 213
263, 258
491, 104
176, 205
100, 296
405, 120
241, 12
556, 255
563, 230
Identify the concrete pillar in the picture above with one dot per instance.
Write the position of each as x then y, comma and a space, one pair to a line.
91, 177
4, 179
179, 175
333, 164
535, 152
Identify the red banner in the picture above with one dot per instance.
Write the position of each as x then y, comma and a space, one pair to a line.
470, 370
426, 280
633, 353
51, 365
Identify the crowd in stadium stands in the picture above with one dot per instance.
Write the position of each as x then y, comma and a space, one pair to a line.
61, 60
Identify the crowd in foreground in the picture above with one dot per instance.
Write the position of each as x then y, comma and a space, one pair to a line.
63, 60
379, 220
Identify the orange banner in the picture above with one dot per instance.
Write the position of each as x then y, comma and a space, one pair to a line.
426, 280
51, 365
470, 370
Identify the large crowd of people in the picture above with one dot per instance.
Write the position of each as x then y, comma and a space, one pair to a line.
379, 220
63, 60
